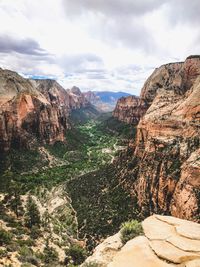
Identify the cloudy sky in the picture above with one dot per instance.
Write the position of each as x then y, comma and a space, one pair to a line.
97, 44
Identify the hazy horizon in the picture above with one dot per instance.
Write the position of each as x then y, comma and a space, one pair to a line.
97, 45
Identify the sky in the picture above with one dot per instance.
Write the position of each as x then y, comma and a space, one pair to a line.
97, 45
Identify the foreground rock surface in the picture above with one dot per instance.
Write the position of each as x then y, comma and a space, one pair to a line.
167, 242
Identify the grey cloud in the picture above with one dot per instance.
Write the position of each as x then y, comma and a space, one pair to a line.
28, 46
118, 21
80, 63
27, 64
111, 7
184, 11
129, 32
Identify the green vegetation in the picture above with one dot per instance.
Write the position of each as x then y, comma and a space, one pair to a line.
86, 175
75, 254
32, 216
83, 115
5, 237
113, 125
50, 254
98, 199
130, 230
87, 148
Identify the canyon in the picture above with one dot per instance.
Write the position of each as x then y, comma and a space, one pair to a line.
89, 172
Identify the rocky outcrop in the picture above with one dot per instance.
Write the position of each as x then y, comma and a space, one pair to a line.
79, 99
33, 110
130, 109
92, 97
104, 101
165, 172
167, 242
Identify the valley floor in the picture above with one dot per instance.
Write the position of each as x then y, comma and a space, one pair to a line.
75, 190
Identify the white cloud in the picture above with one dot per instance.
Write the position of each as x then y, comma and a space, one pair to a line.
100, 45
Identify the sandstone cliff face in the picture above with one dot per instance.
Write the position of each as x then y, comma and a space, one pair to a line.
130, 109
78, 99
33, 111
166, 242
166, 167
91, 97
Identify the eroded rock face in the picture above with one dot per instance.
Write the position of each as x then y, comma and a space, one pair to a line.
167, 242
33, 110
165, 175
130, 109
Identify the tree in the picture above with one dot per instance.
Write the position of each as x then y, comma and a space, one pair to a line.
14, 197
32, 216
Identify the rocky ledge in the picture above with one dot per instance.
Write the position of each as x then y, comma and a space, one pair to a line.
167, 242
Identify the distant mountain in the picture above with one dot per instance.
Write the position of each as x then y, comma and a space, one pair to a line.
105, 100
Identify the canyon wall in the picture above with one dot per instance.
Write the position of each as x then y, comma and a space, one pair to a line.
131, 109
33, 111
165, 163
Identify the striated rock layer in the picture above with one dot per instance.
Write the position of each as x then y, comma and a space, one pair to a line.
130, 109
165, 173
33, 110
167, 242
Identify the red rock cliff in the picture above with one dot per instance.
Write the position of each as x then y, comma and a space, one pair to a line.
33, 110
131, 109
165, 170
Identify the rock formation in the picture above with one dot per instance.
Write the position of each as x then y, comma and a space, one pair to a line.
130, 109
165, 175
104, 100
167, 242
33, 110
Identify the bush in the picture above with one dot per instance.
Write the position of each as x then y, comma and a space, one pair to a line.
26, 242
3, 253
50, 255
76, 254
35, 232
130, 230
24, 252
12, 247
5, 237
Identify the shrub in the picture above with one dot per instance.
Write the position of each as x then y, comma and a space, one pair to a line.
33, 260
25, 253
5, 237
3, 253
130, 230
35, 232
26, 242
13, 246
50, 254
76, 254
